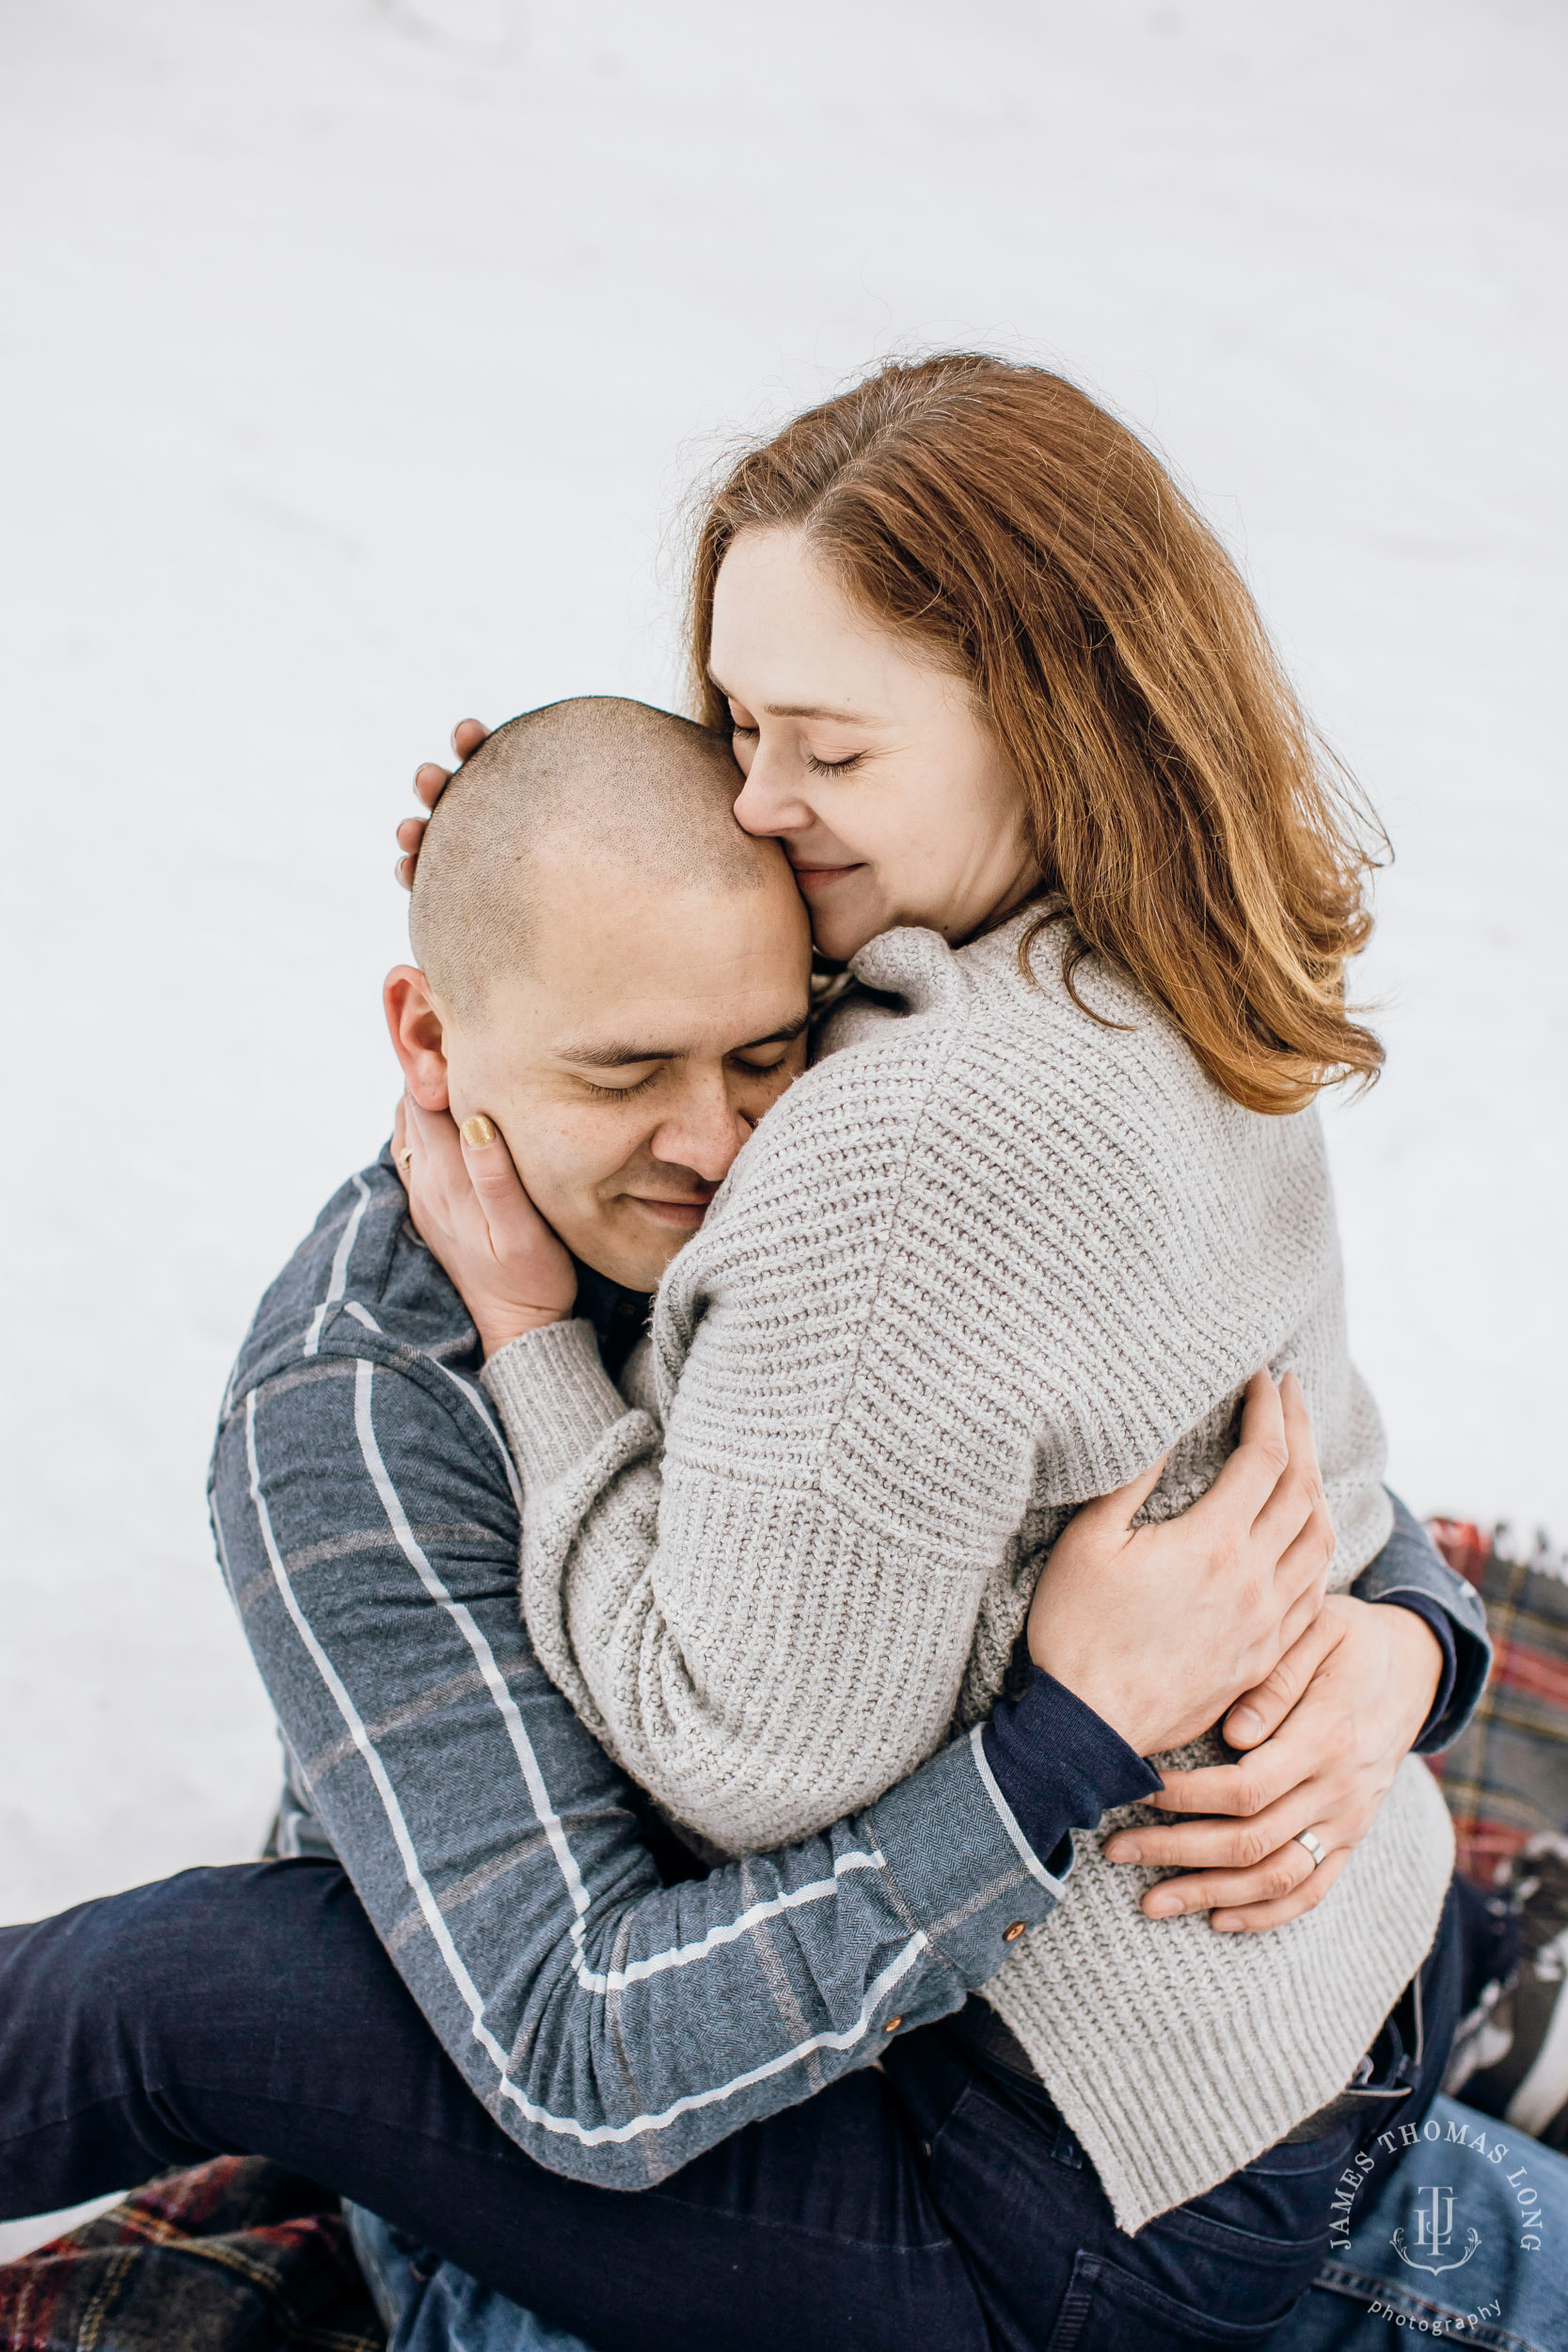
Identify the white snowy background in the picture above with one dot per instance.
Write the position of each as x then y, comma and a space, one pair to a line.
356, 359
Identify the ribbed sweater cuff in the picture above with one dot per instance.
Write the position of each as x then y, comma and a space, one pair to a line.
1059, 1765
555, 1398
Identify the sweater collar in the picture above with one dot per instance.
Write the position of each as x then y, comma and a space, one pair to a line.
921, 966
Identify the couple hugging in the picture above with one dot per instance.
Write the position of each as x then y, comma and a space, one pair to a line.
769, 1935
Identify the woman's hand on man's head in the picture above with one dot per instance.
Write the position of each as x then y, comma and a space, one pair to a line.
430, 782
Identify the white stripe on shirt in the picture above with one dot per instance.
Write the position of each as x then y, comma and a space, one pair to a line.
337, 1279
588, 2135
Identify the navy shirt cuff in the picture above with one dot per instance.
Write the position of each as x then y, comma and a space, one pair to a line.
1431, 1612
1060, 1766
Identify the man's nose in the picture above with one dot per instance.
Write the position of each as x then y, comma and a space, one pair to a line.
704, 1129
769, 800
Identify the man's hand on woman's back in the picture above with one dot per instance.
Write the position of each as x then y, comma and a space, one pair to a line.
1151, 1627
1160, 1628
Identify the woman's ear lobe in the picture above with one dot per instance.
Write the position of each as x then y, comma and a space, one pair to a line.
417, 1035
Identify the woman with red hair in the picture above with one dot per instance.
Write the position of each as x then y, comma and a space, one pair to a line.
1053, 1189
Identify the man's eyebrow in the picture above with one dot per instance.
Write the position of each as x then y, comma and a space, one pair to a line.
802, 710
625, 1057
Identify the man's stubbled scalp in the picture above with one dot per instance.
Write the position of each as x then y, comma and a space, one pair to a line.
594, 779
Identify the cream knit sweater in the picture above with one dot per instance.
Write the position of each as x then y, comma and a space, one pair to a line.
986, 1260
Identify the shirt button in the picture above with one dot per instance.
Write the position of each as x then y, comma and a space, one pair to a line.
893, 2025
1010, 1935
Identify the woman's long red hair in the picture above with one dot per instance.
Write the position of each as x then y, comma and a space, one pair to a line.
1189, 828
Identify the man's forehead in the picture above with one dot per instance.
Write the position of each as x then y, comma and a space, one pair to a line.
550, 1017
626, 973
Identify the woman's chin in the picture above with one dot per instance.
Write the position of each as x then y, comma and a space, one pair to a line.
840, 933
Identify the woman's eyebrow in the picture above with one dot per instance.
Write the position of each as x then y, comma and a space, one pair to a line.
801, 710
625, 1057
818, 710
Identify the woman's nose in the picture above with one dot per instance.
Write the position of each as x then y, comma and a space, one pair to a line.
769, 800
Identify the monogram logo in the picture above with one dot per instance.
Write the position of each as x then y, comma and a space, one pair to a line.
1434, 2234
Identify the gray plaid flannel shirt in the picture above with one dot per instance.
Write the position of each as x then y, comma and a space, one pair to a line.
367, 1518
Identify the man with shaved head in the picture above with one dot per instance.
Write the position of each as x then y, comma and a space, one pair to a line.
609, 967
594, 779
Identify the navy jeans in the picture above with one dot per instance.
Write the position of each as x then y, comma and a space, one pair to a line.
936, 2200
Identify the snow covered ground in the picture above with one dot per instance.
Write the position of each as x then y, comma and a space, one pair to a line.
357, 359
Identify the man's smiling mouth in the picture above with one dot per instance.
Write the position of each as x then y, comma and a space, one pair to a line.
687, 1215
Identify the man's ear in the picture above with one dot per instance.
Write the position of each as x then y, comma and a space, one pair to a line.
417, 1035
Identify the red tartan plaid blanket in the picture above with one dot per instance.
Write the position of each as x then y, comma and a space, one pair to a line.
236, 2256
1506, 1776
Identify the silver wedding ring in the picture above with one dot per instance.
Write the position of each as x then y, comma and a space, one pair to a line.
1318, 1852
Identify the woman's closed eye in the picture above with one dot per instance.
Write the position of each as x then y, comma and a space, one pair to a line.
745, 731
